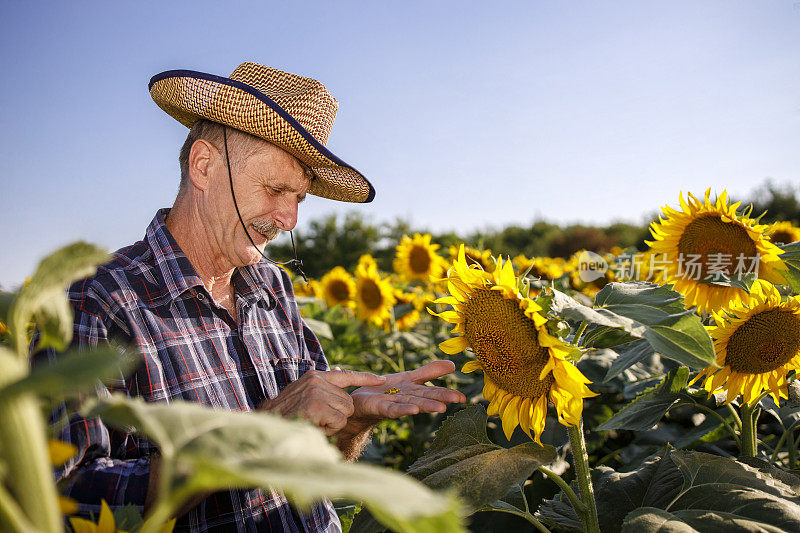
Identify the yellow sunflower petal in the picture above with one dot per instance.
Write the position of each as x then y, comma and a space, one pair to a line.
106, 522
81, 525
454, 345
471, 366
510, 416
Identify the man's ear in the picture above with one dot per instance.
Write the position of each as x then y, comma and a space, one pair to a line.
200, 163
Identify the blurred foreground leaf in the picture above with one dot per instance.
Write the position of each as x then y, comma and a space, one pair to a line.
43, 300
73, 372
218, 449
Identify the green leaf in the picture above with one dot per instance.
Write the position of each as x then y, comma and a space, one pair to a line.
321, 329
604, 337
791, 260
672, 331
127, 518
218, 449
629, 355
73, 372
655, 484
346, 516
685, 490
44, 298
463, 457
647, 409
653, 519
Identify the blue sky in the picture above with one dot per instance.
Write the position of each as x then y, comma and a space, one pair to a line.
462, 114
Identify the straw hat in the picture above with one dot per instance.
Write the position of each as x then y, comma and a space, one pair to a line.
290, 111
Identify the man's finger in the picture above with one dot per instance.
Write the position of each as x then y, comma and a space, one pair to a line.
441, 394
433, 370
350, 378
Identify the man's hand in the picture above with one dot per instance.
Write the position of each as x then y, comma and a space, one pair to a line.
319, 397
409, 395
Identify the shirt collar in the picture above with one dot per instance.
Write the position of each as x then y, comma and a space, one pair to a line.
177, 272
179, 275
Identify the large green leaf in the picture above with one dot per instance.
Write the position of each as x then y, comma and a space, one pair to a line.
671, 330
647, 409
629, 355
43, 299
654, 484
217, 449
73, 372
791, 260
463, 457
646, 311
688, 491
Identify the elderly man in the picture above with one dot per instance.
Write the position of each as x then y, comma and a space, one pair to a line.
215, 321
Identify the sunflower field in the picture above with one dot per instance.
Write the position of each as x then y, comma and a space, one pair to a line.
628, 389
633, 390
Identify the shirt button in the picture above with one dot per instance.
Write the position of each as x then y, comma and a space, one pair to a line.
200, 296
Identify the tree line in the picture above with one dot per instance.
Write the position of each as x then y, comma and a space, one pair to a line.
340, 241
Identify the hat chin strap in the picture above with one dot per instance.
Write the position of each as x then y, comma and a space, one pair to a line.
295, 263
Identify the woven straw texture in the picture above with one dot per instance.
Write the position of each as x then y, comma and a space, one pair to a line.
187, 99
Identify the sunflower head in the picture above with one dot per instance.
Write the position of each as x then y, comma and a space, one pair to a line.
416, 258
337, 287
374, 296
523, 365
757, 342
707, 239
784, 233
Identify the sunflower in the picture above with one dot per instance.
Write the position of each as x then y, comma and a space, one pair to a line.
523, 364
757, 343
107, 524
337, 287
548, 268
312, 288
366, 261
784, 233
416, 258
706, 238
481, 258
407, 307
374, 295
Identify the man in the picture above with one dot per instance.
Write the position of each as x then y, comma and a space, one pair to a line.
214, 322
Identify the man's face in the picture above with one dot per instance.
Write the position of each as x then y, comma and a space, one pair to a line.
269, 185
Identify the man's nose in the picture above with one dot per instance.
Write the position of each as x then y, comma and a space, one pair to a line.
285, 217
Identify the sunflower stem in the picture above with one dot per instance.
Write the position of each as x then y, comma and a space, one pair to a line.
781, 441
717, 415
792, 450
526, 515
748, 448
583, 475
579, 333
576, 502
737, 421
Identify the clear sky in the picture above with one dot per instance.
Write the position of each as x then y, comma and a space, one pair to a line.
462, 114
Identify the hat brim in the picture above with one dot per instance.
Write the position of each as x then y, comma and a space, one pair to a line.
188, 96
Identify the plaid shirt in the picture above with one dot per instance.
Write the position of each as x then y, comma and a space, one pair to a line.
149, 296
